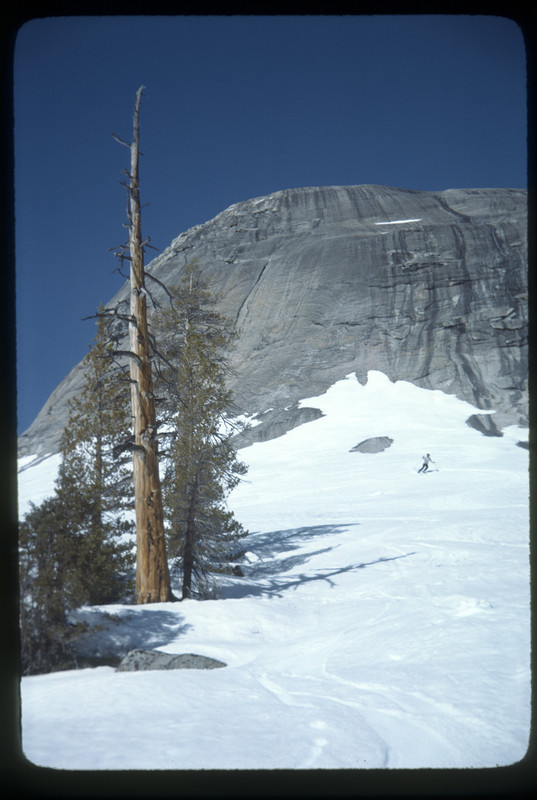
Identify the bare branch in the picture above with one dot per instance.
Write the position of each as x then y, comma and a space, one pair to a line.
129, 354
131, 446
145, 243
93, 316
116, 137
162, 285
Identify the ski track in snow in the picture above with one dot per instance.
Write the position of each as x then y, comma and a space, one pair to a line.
382, 619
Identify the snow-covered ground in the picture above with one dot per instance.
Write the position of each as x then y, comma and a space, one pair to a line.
382, 620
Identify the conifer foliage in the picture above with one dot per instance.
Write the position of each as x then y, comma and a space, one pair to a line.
194, 343
99, 418
75, 547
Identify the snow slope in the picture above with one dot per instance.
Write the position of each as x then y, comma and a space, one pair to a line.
382, 620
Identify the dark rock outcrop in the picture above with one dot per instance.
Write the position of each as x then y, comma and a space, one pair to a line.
138, 660
273, 423
484, 423
376, 444
429, 287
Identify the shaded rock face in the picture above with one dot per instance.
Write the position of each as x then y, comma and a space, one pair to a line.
138, 660
273, 423
428, 287
484, 423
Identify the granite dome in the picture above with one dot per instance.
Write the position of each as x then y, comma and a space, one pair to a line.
428, 287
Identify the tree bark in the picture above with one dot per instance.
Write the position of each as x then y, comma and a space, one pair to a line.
152, 575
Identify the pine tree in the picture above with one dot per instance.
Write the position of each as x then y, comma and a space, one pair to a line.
193, 342
75, 548
50, 587
90, 471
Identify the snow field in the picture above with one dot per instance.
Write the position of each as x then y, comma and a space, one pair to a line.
382, 620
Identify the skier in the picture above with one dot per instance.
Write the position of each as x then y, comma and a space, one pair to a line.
426, 461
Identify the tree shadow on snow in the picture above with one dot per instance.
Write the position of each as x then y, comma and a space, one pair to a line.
326, 575
266, 577
113, 634
267, 545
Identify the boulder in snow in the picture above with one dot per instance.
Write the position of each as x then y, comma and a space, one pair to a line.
374, 445
137, 660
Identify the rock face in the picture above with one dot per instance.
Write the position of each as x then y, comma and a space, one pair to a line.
428, 287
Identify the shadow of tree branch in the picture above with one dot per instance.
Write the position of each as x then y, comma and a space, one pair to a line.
266, 577
277, 587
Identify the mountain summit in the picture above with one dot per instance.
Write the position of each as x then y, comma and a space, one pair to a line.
427, 287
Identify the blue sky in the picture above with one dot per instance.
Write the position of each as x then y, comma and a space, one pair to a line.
235, 107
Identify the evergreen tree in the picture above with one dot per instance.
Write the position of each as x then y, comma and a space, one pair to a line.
50, 587
193, 342
75, 548
99, 420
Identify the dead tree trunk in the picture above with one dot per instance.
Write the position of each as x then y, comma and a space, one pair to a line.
152, 575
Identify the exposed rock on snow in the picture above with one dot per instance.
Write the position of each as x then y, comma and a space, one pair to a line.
376, 444
272, 424
484, 424
138, 660
320, 289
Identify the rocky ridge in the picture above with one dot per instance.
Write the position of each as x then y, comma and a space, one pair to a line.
428, 287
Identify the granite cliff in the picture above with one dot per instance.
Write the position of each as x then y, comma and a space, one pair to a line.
428, 287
